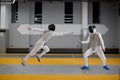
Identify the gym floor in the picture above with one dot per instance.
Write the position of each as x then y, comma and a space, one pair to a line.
58, 67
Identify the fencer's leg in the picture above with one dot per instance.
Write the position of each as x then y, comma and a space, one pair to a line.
101, 55
45, 50
33, 52
103, 58
87, 53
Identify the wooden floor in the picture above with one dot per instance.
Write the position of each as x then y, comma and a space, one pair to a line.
11, 68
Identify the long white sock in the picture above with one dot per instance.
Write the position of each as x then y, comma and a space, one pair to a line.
33, 52
104, 61
86, 61
43, 53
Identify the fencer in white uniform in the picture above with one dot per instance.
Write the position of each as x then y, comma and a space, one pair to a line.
96, 46
41, 43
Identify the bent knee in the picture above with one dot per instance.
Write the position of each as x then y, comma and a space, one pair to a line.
104, 59
47, 50
85, 55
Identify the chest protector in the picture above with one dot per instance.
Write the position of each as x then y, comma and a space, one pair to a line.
94, 40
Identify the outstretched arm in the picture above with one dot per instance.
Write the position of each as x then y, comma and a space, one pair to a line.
62, 33
35, 29
102, 42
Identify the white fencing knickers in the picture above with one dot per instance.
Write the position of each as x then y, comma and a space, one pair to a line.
98, 50
39, 45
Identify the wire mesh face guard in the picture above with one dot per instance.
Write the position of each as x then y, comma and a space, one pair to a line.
92, 29
51, 27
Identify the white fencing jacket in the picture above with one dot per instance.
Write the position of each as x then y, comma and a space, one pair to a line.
47, 34
95, 39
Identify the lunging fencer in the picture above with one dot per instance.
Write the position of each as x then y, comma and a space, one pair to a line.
96, 46
41, 43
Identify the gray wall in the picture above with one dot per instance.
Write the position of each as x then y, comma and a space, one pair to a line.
23, 13
108, 17
26, 12
16, 40
8, 16
53, 12
0, 15
118, 32
90, 13
77, 14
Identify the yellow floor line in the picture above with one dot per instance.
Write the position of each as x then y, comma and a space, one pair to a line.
60, 61
57, 77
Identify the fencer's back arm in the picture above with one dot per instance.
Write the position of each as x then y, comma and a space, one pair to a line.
87, 41
101, 41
